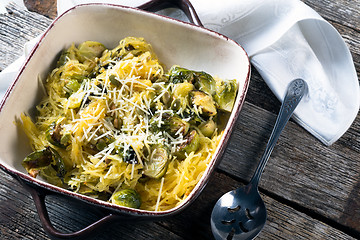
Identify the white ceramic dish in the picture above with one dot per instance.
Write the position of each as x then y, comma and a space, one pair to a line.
175, 42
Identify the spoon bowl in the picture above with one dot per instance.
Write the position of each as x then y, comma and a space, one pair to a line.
241, 213
245, 215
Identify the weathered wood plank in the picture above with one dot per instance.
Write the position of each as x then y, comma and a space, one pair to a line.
344, 12
16, 28
301, 169
283, 221
19, 219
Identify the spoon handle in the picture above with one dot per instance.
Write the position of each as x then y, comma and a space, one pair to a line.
295, 91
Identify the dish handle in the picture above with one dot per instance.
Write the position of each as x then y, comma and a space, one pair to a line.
184, 5
39, 200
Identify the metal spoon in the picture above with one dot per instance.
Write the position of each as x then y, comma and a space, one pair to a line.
241, 213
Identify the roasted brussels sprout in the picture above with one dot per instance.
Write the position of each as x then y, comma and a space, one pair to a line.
205, 82
157, 165
208, 128
178, 75
204, 103
36, 161
127, 198
225, 94
172, 124
56, 137
89, 50
181, 90
201, 80
191, 144
44, 158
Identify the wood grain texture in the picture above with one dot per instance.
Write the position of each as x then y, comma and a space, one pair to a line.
17, 28
19, 218
311, 191
320, 182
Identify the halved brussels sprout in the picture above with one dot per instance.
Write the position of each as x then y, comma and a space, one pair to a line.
205, 82
201, 80
178, 75
157, 165
127, 198
55, 137
181, 90
44, 158
204, 103
191, 144
208, 128
172, 124
89, 50
225, 94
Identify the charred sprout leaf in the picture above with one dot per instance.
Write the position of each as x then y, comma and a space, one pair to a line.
36, 161
157, 165
205, 82
203, 102
208, 128
172, 124
179, 75
90, 49
226, 94
190, 145
127, 198
57, 163
44, 158
55, 137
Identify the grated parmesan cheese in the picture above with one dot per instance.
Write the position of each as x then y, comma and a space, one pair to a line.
110, 118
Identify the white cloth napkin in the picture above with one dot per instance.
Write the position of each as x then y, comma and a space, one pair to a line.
285, 39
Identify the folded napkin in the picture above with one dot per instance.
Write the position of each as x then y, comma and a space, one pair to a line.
285, 39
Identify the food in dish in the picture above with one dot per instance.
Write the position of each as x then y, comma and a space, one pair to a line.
114, 125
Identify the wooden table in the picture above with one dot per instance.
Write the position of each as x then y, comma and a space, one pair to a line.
311, 191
